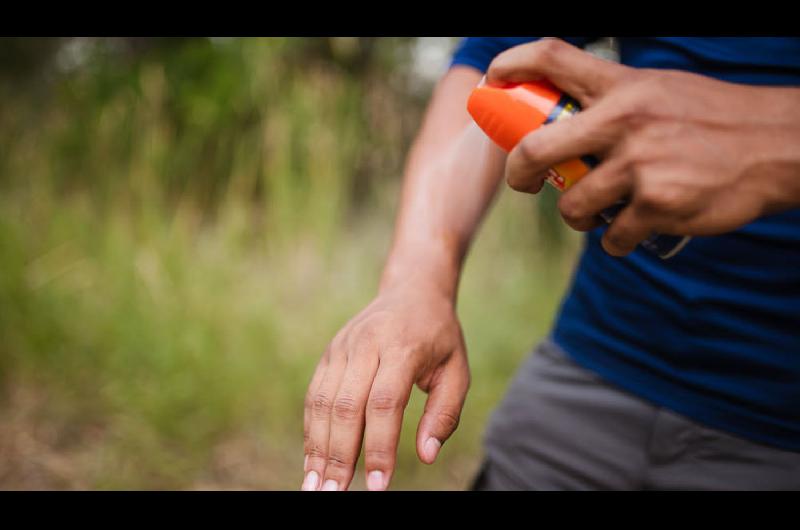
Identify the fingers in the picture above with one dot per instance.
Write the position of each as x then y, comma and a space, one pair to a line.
320, 419
443, 408
347, 421
384, 418
578, 73
592, 131
603, 187
630, 227
316, 379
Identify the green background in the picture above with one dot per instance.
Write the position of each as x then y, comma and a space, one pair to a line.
186, 223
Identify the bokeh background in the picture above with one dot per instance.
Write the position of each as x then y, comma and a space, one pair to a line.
186, 223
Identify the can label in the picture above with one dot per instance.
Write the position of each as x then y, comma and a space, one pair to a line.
562, 176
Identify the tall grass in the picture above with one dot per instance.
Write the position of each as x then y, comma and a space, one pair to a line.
180, 236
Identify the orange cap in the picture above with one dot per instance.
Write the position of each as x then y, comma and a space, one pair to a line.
508, 112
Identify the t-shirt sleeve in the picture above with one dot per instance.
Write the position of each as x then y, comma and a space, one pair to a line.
478, 52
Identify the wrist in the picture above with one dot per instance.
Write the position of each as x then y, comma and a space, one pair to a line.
432, 267
775, 158
769, 146
782, 169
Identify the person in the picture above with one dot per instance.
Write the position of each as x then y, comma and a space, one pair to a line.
658, 374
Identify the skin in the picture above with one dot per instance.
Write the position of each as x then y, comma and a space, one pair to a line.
409, 334
692, 155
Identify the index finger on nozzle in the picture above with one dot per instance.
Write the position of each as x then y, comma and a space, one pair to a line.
571, 69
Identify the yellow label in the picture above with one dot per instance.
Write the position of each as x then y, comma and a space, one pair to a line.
564, 175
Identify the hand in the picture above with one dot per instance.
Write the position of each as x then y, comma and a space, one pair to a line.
691, 155
408, 334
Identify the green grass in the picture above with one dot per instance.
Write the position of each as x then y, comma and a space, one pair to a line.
174, 258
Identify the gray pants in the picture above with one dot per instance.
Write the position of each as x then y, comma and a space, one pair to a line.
561, 427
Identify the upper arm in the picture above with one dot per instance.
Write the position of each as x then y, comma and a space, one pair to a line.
446, 115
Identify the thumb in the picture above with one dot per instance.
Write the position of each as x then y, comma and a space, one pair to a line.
446, 396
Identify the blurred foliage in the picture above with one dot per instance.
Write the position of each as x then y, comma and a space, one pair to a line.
185, 223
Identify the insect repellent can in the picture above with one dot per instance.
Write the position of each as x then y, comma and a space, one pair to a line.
509, 112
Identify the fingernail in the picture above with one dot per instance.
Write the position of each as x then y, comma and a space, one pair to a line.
330, 485
375, 481
311, 482
432, 446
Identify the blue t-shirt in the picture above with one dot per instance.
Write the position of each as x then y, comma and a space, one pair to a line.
714, 332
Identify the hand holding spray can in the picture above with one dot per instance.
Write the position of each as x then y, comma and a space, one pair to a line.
508, 113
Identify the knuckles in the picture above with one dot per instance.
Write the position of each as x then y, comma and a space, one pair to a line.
321, 406
634, 154
517, 182
632, 111
346, 409
365, 330
521, 176
530, 151
644, 97
365, 333
571, 210
543, 51
379, 457
638, 152
547, 49
337, 345
316, 451
308, 403
616, 244
374, 325
339, 461
403, 354
637, 100
661, 198
382, 404
448, 420
651, 198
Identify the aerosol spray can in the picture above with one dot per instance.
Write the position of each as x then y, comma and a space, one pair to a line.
509, 112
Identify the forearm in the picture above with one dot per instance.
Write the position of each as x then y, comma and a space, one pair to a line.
451, 177
775, 151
